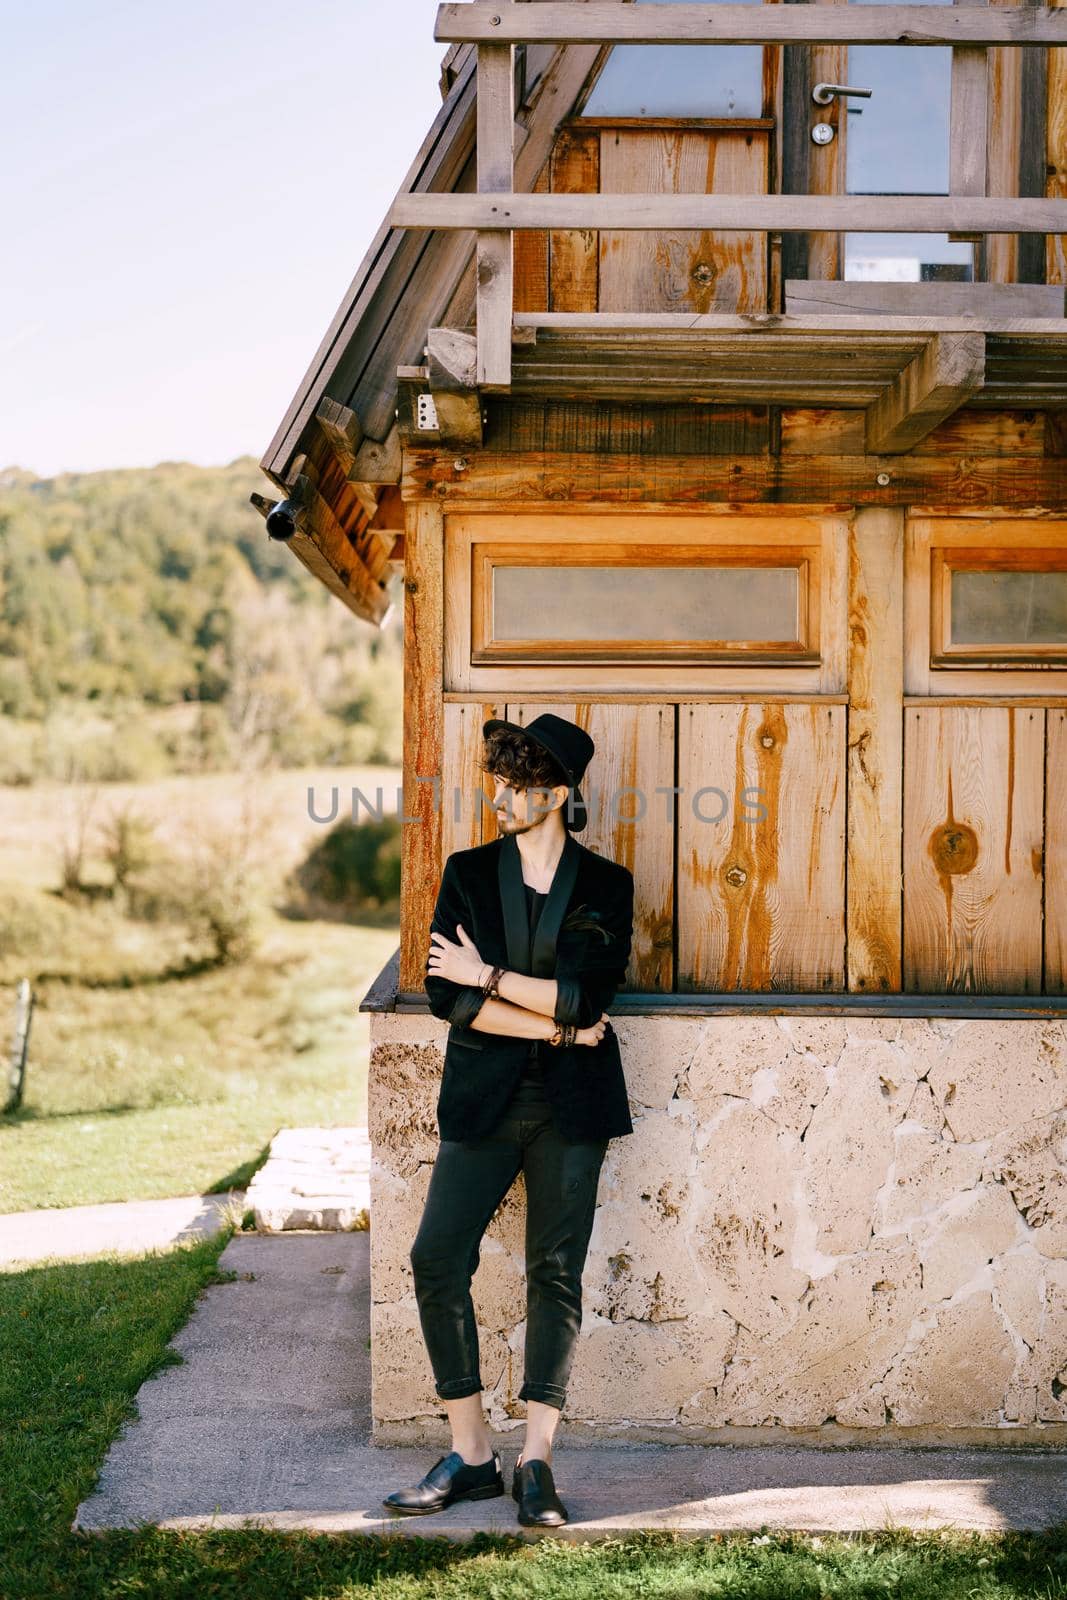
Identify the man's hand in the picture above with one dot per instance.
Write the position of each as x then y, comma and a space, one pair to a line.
460, 962
594, 1034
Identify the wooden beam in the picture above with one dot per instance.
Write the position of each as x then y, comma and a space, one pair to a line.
452, 367
451, 359
761, 325
378, 461
987, 301
1056, 156
616, 22
725, 212
492, 479
331, 541
968, 123
875, 686
495, 268
423, 736
940, 380
321, 544
342, 431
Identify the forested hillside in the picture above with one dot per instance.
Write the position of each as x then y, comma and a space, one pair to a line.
148, 625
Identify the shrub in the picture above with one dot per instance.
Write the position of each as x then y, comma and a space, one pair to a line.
354, 867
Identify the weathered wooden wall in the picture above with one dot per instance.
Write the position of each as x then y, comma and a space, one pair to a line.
914, 835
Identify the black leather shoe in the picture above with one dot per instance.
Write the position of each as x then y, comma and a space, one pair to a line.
539, 1504
450, 1478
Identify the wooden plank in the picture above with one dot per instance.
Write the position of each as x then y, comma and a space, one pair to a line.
950, 370
968, 122
614, 22
1056, 155
574, 257
420, 842
853, 213
644, 430
761, 896
496, 131
973, 834
1033, 168
354, 503
1056, 851
629, 820
342, 431
1005, 132
466, 793
875, 686
969, 131
451, 359
585, 477
531, 260
677, 269
982, 300
874, 330
821, 432
378, 460
336, 546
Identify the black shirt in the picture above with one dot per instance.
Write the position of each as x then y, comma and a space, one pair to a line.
532, 1080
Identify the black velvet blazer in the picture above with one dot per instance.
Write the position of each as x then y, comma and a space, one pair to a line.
582, 940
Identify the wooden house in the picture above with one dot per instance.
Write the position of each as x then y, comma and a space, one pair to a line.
750, 317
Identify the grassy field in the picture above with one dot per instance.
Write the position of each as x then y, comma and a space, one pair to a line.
151, 1071
79, 1339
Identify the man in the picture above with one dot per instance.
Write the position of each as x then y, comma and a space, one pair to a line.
529, 942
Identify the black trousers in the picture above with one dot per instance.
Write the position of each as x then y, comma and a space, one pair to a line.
468, 1182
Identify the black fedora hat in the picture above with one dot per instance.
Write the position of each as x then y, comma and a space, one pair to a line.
570, 745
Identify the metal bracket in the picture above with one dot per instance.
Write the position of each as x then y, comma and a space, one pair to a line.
425, 414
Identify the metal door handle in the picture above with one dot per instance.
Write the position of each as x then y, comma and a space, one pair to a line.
824, 93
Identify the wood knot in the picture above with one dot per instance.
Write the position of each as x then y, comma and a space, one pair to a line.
954, 848
736, 876
702, 273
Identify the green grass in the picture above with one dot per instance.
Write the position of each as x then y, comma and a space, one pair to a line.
143, 1084
78, 1340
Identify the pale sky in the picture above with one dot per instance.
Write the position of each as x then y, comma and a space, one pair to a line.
187, 192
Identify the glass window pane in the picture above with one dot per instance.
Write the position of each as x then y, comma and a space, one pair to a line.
907, 258
674, 604
897, 143
700, 80
1009, 608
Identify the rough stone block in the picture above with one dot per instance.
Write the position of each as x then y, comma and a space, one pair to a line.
998, 1074
1032, 1162
744, 1221
958, 1371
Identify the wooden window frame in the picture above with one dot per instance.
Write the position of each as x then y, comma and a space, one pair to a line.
602, 528
944, 561
487, 555
927, 533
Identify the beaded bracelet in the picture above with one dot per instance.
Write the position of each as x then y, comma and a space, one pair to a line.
490, 986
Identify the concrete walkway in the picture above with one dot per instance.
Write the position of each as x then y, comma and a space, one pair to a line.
267, 1421
127, 1227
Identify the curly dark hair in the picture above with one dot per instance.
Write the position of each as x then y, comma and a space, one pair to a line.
521, 761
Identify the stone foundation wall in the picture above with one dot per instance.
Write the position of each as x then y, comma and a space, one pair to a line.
825, 1228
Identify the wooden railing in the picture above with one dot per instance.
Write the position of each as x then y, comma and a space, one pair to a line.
496, 26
